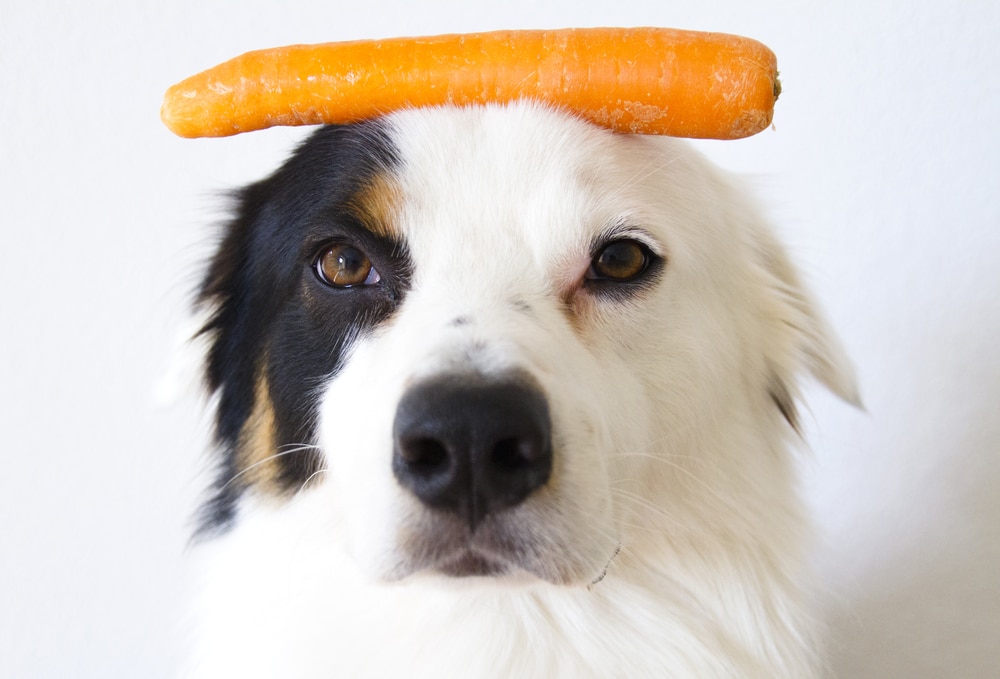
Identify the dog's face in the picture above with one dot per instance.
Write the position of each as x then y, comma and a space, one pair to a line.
500, 342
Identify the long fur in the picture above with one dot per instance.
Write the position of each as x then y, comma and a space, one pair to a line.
668, 541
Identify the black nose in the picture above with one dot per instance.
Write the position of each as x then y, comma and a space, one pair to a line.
471, 446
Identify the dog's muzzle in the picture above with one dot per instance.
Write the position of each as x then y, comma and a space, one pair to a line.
472, 446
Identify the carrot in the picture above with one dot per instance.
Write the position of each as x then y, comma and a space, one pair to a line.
639, 80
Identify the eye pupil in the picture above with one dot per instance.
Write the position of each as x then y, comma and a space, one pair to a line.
620, 260
343, 266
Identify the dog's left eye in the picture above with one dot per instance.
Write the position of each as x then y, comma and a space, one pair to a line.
344, 266
620, 261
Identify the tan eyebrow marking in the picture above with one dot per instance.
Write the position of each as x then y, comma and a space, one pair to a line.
377, 206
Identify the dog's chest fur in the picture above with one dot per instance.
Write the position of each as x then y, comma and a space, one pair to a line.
399, 288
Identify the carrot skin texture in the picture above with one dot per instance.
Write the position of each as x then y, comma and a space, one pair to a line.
639, 80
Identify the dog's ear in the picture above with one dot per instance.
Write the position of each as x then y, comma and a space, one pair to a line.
798, 337
227, 298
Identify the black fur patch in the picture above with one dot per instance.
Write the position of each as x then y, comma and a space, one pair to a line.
274, 322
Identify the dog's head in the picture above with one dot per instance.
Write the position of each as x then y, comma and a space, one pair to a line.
501, 342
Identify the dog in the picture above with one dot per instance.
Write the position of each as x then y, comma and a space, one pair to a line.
502, 394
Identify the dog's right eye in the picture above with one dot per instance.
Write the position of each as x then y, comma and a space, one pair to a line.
344, 266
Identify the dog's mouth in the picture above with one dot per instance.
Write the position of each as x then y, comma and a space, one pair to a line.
447, 548
503, 547
444, 546
469, 563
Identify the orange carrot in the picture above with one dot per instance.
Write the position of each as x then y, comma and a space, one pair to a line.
640, 80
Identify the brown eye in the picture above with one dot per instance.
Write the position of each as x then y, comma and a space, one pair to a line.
344, 266
620, 261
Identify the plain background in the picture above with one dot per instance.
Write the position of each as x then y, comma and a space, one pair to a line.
880, 172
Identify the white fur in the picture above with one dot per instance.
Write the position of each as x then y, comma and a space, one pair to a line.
670, 526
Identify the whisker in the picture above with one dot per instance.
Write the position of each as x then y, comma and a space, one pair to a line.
298, 447
656, 457
639, 501
311, 476
669, 461
690, 476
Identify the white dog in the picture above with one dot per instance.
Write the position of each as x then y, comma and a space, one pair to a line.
502, 394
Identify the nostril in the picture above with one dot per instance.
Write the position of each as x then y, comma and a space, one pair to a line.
511, 454
424, 454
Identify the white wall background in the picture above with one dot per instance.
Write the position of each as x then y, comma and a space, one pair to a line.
882, 172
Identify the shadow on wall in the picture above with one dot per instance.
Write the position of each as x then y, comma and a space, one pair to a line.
939, 618
932, 609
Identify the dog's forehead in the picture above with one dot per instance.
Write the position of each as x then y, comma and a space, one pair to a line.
496, 179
